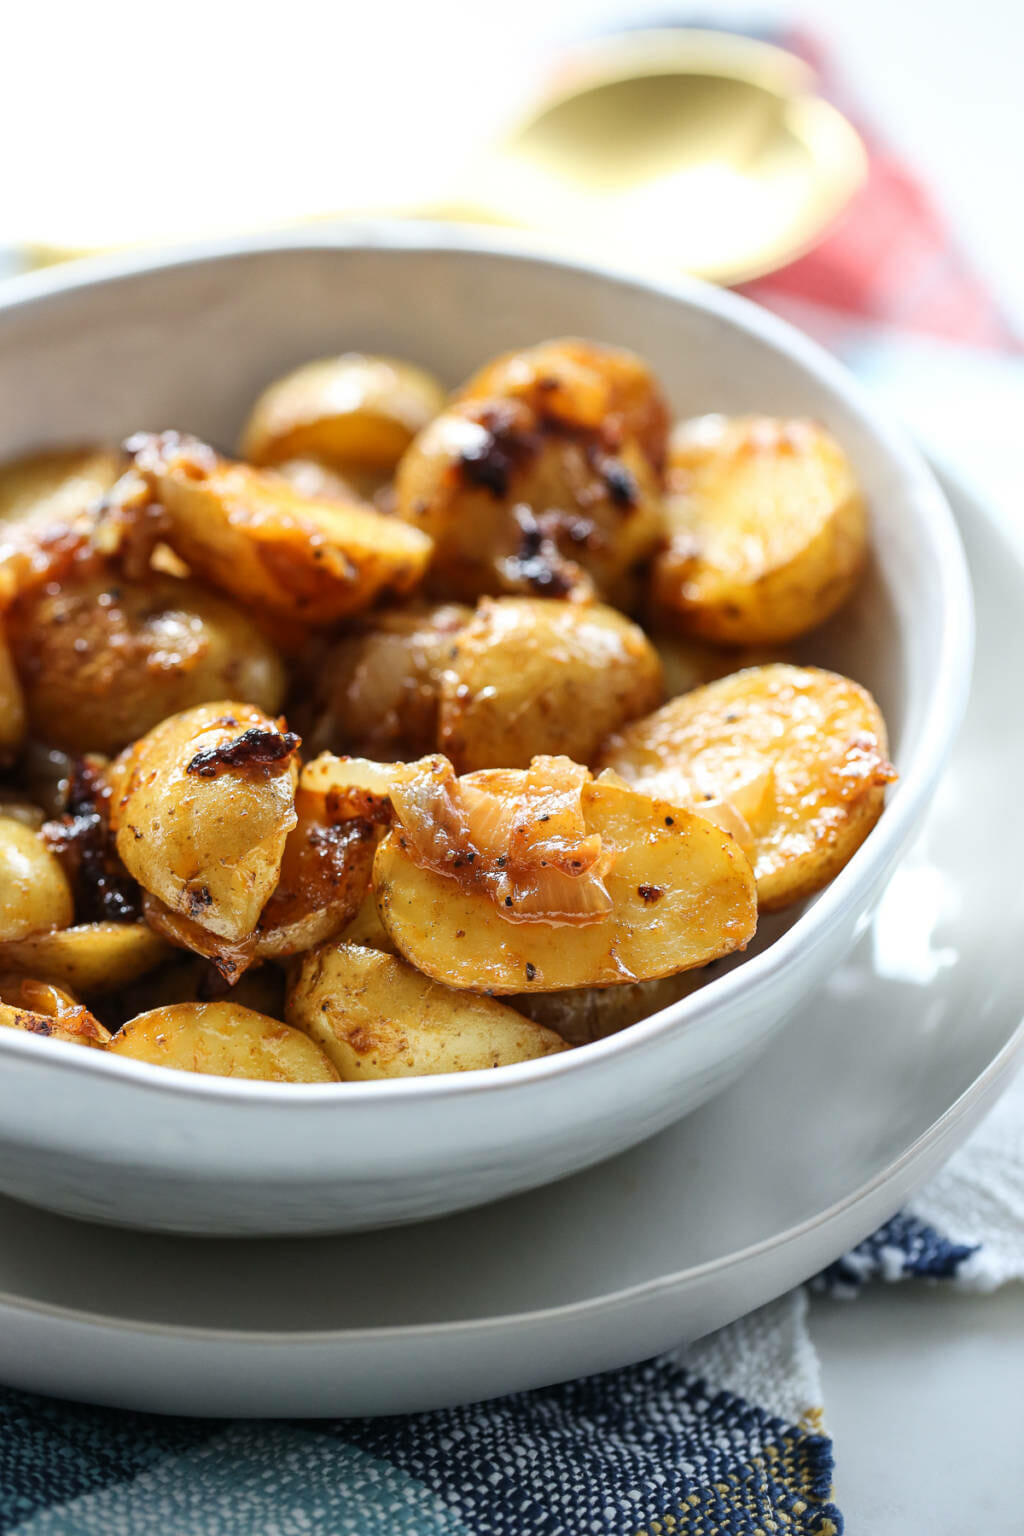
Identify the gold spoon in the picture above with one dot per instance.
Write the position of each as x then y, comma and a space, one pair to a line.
704, 151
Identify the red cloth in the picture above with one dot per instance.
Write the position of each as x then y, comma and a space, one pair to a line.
890, 256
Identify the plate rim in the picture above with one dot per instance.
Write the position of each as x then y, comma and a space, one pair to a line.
997, 1073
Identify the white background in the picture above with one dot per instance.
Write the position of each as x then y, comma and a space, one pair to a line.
183, 118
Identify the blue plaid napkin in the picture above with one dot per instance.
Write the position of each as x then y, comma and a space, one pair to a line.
725, 1438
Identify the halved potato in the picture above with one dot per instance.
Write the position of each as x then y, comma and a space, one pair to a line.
12, 704
592, 1013
376, 1016
251, 533
89, 959
378, 686
222, 1040
581, 384
34, 892
201, 807
366, 929
531, 676
41, 1008
103, 659
55, 486
682, 893
348, 412
516, 504
768, 532
795, 755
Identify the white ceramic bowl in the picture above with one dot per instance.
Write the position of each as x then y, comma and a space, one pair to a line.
100, 349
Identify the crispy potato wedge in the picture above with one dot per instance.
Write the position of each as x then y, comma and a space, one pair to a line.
44, 1009
682, 893
516, 504
798, 753
592, 1013
222, 1040
379, 685
201, 808
767, 530
89, 959
103, 660
581, 384
531, 676
375, 1016
12, 704
253, 535
347, 412
34, 892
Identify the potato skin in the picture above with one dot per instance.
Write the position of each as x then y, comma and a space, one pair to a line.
687, 663
516, 505
375, 1016
56, 486
379, 685
35, 896
325, 873
767, 530
43, 1009
222, 1040
208, 846
821, 736
593, 1013
88, 959
682, 893
12, 704
253, 535
348, 412
581, 384
103, 660
531, 676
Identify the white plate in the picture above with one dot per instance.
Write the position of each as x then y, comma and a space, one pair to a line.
865, 1094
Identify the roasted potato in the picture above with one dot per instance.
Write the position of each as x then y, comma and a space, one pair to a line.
366, 929
102, 661
680, 893
189, 978
325, 873
43, 1009
35, 896
767, 530
89, 959
53, 488
796, 757
581, 384
376, 1016
251, 534
530, 676
687, 663
349, 413
201, 808
222, 1040
12, 704
379, 685
584, 1014
517, 504
16, 805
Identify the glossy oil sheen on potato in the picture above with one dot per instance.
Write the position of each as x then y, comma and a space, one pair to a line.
815, 741
88, 958
767, 530
682, 893
34, 891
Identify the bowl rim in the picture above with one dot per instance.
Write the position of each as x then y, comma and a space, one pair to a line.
922, 763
